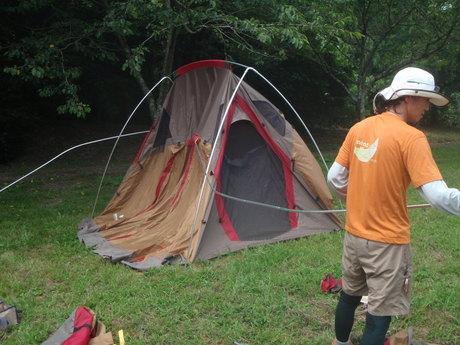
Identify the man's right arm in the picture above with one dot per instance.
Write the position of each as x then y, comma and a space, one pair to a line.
337, 178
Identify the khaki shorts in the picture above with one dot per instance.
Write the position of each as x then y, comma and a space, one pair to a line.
382, 271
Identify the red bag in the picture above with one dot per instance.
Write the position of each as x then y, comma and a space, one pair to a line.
81, 328
330, 284
84, 323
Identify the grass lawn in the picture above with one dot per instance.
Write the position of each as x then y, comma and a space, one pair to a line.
266, 295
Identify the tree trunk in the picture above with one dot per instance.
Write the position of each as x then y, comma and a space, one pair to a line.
362, 95
137, 75
168, 61
361, 104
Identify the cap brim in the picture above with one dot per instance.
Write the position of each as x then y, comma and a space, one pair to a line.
434, 97
440, 100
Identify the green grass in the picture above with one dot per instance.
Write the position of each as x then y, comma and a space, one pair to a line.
265, 295
442, 135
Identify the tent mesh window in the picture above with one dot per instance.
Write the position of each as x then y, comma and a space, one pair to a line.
272, 116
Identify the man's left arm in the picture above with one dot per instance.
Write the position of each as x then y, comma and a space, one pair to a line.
441, 197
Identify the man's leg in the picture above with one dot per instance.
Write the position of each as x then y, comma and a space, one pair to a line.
376, 329
345, 316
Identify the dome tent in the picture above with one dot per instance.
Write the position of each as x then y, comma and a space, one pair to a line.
217, 142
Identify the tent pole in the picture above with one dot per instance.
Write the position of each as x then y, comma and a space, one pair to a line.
298, 116
279, 208
116, 142
208, 167
68, 150
290, 106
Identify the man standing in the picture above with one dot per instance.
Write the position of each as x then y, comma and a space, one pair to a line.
379, 158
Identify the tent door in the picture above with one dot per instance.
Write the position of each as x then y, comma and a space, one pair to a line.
252, 171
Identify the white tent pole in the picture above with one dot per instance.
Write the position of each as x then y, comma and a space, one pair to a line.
64, 152
208, 167
116, 142
279, 208
292, 108
298, 116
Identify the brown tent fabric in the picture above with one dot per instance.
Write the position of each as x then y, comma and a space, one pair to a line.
173, 202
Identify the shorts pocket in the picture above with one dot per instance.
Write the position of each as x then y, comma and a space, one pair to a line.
407, 272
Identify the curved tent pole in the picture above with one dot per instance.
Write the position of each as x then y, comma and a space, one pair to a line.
279, 208
208, 167
68, 150
295, 112
298, 116
290, 106
118, 138
247, 69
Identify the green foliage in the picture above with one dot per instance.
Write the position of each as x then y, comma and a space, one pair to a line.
73, 106
374, 39
61, 38
42, 52
136, 60
355, 44
451, 115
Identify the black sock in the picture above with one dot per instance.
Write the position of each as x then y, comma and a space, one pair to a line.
376, 329
345, 315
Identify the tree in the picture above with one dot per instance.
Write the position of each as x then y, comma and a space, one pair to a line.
51, 41
378, 38
358, 43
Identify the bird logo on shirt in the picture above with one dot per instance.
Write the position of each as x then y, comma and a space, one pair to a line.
364, 151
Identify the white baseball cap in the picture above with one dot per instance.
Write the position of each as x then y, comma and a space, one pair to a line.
413, 81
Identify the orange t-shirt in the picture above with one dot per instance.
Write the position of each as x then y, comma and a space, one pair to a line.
384, 155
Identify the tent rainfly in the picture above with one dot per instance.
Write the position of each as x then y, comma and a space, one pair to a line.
217, 142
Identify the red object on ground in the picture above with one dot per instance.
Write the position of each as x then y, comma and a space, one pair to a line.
330, 284
83, 325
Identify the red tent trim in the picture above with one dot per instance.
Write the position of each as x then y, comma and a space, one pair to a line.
199, 64
160, 184
224, 218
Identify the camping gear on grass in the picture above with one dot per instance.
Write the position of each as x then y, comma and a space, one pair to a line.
199, 186
330, 284
9, 316
81, 328
404, 337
